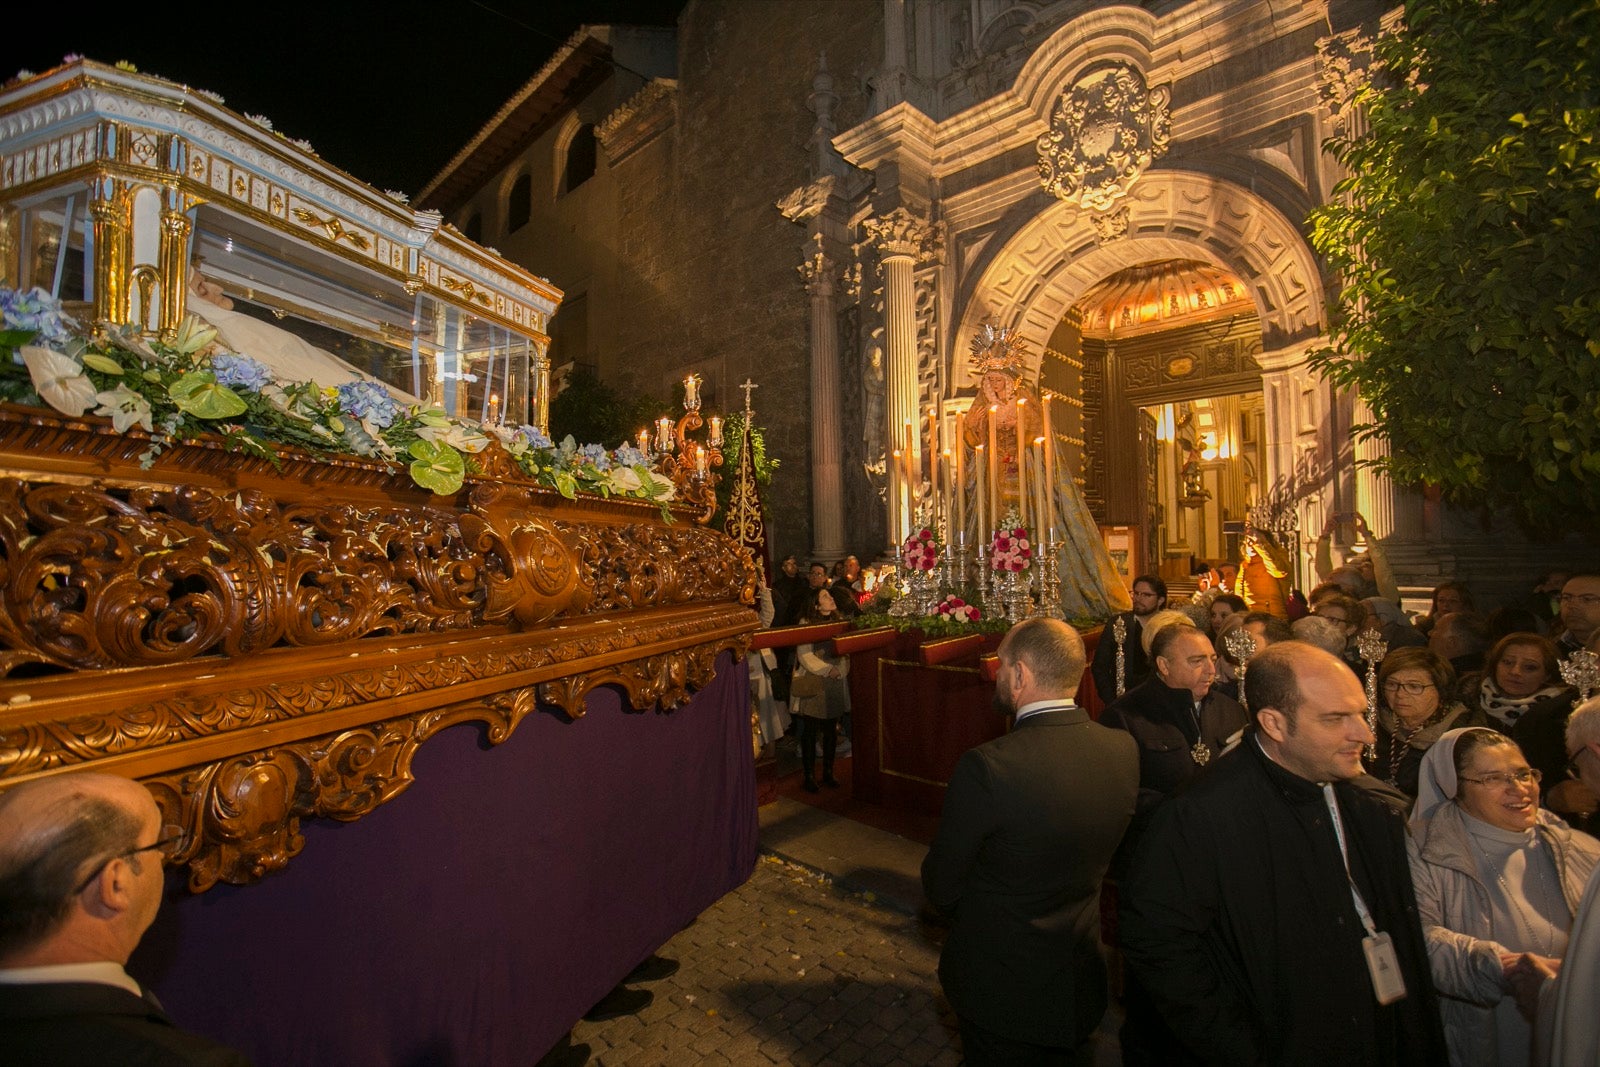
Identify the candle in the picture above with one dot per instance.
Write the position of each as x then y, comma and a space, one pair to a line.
934, 485
700, 460
644, 440
944, 487
911, 473
961, 490
493, 416
664, 434
716, 431
691, 393
1049, 466
1041, 491
992, 470
1024, 498
980, 479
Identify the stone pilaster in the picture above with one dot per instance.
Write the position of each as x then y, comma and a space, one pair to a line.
901, 239
827, 484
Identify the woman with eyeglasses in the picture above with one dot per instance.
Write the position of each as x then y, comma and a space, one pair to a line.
1497, 880
1524, 697
1416, 705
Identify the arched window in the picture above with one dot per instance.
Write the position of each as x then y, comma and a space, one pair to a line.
521, 204
472, 229
580, 161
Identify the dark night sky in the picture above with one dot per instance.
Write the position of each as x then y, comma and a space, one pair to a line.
387, 91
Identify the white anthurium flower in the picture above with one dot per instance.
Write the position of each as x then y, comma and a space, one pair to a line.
623, 480
125, 407
453, 434
59, 380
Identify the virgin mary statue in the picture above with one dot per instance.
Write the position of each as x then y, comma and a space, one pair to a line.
1090, 586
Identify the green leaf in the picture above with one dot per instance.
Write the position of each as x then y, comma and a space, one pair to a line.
437, 467
197, 393
103, 364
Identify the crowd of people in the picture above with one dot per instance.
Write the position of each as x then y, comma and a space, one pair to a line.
1289, 885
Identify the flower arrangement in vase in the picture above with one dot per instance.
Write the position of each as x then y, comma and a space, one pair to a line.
957, 610
920, 551
1011, 550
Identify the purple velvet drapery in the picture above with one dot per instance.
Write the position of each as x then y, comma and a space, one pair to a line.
475, 918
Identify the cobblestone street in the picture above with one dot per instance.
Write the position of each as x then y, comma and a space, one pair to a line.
787, 969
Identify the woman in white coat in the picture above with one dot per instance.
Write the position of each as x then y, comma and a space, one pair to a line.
1497, 881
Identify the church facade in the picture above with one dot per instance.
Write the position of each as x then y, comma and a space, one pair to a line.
831, 198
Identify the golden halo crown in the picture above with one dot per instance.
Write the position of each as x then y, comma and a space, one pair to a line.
998, 349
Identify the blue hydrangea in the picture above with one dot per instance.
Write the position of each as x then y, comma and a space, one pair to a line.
629, 456
36, 311
370, 401
597, 455
533, 437
240, 372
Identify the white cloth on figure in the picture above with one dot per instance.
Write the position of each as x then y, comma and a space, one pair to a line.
290, 358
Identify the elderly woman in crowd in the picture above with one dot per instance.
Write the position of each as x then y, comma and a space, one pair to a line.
1416, 705
1522, 693
819, 695
1497, 880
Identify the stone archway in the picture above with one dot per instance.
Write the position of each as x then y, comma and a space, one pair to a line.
1033, 278
1048, 264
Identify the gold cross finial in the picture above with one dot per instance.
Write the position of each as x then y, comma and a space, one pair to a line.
747, 386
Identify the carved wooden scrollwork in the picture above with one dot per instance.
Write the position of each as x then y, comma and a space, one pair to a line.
530, 575
242, 815
263, 647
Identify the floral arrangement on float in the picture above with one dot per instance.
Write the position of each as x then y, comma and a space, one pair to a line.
178, 389
1010, 549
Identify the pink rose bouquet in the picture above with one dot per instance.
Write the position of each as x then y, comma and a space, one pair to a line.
959, 610
1010, 550
921, 551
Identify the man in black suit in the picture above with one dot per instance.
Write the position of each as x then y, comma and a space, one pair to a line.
80, 882
1149, 597
1030, 823
1269, 910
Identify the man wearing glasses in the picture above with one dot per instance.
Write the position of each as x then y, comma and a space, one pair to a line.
1580, 612
80, 881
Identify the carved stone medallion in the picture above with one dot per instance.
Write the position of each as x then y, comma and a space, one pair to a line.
1104, 132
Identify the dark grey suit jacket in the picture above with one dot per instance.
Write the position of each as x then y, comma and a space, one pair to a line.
64, 1024
1030, 823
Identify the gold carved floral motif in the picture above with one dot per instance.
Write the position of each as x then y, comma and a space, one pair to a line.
335, 228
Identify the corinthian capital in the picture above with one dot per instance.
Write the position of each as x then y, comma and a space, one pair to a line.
900, 233
817, 270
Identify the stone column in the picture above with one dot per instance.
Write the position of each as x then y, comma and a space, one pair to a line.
827, 485
900, 238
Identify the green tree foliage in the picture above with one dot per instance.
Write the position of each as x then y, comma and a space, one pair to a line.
1468, 241
591, 410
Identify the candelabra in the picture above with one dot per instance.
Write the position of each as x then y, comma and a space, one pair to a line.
689, 465
1581, 670
1372, 648
1050, 580
1119, 632
1242, 645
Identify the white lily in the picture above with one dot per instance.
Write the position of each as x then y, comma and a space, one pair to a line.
59, 380
125, 407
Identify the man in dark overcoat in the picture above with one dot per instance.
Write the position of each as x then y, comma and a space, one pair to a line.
1030, 823
1269, 907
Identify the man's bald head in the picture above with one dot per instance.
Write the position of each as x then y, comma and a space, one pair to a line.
54, 833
